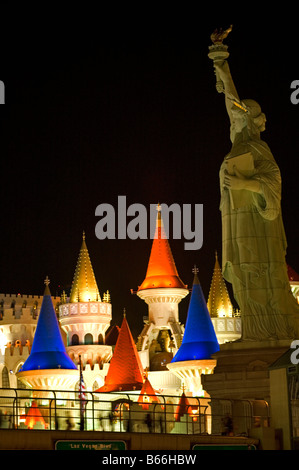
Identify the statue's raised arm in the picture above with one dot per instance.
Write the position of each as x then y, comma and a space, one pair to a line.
224, 83
231, 95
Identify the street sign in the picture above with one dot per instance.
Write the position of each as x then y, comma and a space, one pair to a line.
90, 445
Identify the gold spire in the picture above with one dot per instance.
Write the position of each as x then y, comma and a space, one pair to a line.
84, 288
219, 304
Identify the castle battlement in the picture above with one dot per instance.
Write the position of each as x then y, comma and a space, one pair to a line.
19, 352
20, 299
21, 308
10, 316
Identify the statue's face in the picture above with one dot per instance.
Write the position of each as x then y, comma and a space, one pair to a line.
263, 125
239, 120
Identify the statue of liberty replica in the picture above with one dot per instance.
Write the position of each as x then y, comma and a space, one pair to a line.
253, 237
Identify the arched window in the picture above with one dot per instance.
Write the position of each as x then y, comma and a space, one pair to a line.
75, 340
34, 309
88, 339
95, 386
5, 378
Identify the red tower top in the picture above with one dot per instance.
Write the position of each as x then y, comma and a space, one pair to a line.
161, 270
125, 371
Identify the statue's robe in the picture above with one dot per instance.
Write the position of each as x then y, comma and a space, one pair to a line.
254, 250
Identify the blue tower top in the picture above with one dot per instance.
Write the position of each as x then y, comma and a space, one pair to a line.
199, 340
48, 350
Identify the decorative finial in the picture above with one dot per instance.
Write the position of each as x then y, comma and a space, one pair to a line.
107, 297
47, 281
83, 236
158, 207
124, 312
63, 297
195, 269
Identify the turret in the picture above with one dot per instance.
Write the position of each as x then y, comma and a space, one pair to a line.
194, 356
48, 366
85, 318
162, 289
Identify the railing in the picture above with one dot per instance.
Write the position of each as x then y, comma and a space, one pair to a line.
121, 412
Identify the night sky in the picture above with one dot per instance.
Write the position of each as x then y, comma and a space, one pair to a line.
113, 109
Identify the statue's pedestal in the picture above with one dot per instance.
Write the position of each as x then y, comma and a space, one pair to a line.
242, 370
240, 384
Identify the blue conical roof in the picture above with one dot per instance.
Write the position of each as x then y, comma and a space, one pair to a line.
48, 350
199, 340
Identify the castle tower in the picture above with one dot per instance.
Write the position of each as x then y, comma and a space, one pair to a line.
85, 318
125, 372
199, 343
162, 289
226, 321
48, 366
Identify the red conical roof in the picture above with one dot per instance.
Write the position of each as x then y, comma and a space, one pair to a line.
147, 395
183, 407
33, 416
161, 270
125, 371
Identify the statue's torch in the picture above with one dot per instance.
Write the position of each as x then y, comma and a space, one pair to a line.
218, 53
